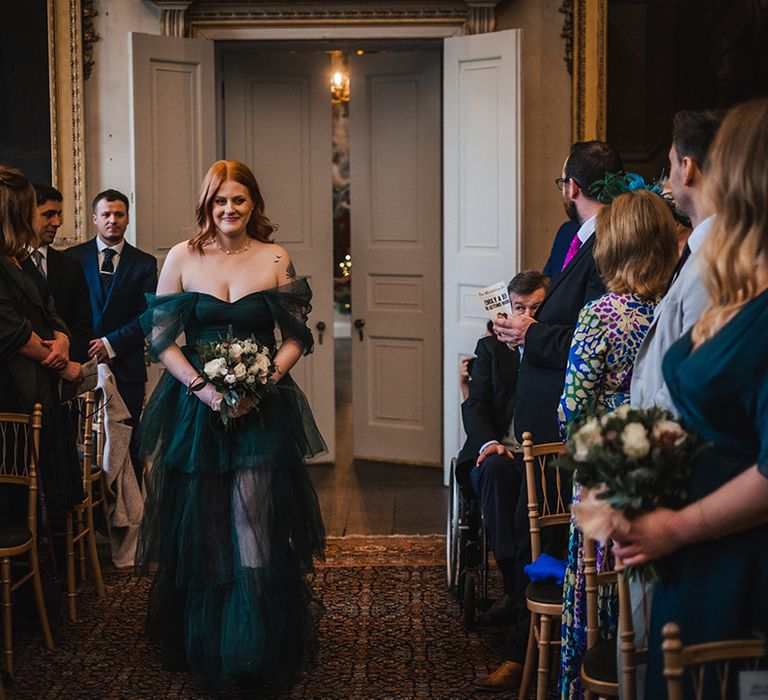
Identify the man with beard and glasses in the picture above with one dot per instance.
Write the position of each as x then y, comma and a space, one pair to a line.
545, 340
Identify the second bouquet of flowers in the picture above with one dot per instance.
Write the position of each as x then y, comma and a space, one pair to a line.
238, 369
628, 462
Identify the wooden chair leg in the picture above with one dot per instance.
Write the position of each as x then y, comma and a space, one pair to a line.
79, 529
542, 682
94, 554
37, 587
5, 581
530, 659
71, 583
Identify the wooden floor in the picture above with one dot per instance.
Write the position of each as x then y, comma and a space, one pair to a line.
360, 497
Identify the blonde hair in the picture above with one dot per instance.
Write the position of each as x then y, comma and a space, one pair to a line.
636, 244
733, 258
17, 213
259, 226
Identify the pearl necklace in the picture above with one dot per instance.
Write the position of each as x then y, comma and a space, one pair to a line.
233, 252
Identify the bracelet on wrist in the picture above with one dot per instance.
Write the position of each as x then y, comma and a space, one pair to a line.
195, 384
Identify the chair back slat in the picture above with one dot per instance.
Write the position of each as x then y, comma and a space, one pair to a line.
19, 448
544, 510
718, 661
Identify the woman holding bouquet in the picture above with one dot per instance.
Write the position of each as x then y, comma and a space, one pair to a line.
716, 582
231, 518
635, 252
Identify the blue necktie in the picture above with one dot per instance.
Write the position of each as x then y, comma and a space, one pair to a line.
107, 271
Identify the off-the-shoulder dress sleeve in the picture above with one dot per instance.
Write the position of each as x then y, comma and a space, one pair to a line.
165, 318
290, 306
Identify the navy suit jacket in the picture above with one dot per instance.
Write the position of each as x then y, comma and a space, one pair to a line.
560, 246
487, 411
547, 344
116, 317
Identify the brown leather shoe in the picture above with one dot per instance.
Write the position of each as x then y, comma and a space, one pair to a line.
504, 677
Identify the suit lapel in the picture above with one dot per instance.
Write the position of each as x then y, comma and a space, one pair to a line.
91, 270
121, 274
586, 249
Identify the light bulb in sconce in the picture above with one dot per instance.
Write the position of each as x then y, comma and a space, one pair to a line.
339, 87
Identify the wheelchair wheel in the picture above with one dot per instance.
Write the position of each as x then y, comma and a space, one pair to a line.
452, 534
469, 598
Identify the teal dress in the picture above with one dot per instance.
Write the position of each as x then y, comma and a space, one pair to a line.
231, 521
718, 589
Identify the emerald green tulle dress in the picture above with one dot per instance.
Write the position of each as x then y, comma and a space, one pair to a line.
231, 519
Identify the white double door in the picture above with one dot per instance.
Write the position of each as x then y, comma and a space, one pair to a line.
416, 261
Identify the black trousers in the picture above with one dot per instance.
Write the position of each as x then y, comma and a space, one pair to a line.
498, 482
554, 541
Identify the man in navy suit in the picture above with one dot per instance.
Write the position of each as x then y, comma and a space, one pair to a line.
118, 277
546, 341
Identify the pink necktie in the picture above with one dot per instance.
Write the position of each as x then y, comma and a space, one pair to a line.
572, 250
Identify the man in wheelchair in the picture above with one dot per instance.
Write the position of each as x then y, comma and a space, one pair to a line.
485, 460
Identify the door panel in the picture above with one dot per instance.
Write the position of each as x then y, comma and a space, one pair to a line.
481, 194
395, 222
173, 132
173, 128
278, 121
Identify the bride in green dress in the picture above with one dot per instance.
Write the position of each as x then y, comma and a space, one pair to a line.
231, 520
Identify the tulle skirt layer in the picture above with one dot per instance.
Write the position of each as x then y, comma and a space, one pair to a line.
233, 524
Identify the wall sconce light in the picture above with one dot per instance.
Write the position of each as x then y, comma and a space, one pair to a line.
340, 87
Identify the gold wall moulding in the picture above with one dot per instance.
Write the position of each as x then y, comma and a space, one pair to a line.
65, 79
586, 36
185, 18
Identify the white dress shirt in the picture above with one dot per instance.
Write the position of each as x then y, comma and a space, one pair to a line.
101, 246
43, 250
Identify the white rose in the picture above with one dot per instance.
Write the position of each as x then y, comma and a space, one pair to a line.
213, 367
230, 379
668, 430
250, 379
250, 347
239, 370
263, 362
635, 441
235, 350
588, 436
253, 369
623, 411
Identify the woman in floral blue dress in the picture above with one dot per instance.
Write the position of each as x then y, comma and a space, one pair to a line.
635, 253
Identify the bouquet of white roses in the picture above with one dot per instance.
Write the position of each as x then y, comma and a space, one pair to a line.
238, 369
628, 462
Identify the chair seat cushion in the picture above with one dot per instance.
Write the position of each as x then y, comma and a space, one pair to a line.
600, 661
13, 535
544, 592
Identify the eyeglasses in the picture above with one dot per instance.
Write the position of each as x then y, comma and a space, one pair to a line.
560, 182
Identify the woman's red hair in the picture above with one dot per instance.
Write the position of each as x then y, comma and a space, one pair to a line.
259, 226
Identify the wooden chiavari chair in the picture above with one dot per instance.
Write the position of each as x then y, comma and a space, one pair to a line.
79, 529
599, 672
19, 450
711, 665
544, 599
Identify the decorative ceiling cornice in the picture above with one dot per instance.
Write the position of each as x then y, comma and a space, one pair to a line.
178, 15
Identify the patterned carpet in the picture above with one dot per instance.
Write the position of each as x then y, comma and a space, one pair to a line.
390, 630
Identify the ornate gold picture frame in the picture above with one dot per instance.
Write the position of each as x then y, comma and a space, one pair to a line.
585, 32
65, 78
